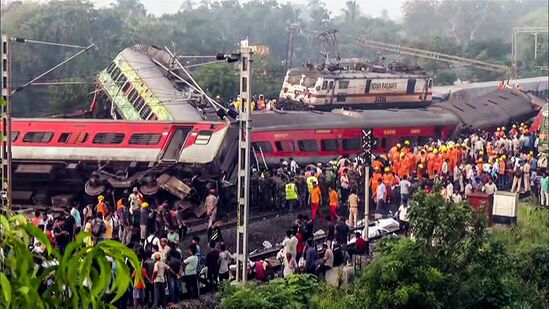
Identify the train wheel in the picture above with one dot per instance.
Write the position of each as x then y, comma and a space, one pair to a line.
39, 198
149, 185
94, 186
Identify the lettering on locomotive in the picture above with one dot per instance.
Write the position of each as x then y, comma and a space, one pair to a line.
384, 85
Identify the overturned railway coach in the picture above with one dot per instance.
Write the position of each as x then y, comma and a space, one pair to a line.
50, 155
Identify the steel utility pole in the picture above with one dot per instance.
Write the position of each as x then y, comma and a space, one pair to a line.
6, 108
5, 194
514, 38
367, 153
244, 141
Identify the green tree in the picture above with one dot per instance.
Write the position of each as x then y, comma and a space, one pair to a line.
79, 278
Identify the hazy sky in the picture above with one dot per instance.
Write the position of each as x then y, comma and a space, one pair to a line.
370, 7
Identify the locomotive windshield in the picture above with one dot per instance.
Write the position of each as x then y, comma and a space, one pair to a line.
309, 81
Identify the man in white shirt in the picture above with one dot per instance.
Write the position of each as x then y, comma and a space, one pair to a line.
287, 243
490, 187
381, 194
404, 190
134, 199
468, 188
294, 167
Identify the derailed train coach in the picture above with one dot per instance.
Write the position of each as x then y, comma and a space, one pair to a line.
52, 157
320, 136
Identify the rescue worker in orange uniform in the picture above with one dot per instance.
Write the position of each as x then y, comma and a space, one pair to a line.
430, 162
502, 166
452, 157
374, 181
407, 146
377, 163
389, 180
403, 165
421, 168
437, 162
490, 149
101, 205
394, 150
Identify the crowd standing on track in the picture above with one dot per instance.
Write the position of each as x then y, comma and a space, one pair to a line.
157, 232
481, 161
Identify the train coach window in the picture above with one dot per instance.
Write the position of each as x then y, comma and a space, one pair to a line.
308, 145
341, 98
351, 144
284, 145
343, 84
139, 103
329, 145
82, 138
145, 139
111, 67
203, 137
63, 138
145, 111
325, 85
122, 80
37, 137
14, 136
108, 138
262, 146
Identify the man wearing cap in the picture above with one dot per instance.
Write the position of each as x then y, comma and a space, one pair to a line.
211, 206
101, 208
134, 199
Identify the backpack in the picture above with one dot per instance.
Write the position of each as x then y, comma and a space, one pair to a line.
98, 227
150, 241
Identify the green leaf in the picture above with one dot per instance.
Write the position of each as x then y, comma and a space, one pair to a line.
6, 289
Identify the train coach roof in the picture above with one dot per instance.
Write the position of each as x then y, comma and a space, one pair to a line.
353, 74
490, 110
170, 97
383, 118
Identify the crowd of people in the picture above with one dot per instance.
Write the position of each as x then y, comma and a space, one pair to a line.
157, 233
479, 162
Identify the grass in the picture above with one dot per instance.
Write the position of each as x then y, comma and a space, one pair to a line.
532, 229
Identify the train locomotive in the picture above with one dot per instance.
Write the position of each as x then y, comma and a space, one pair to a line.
355, 84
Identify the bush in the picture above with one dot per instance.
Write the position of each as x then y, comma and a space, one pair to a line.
80, 278
289, 292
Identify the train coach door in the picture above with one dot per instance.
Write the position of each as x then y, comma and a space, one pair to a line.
176, 144
411, 87
330, 91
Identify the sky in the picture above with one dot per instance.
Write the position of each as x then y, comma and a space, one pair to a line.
370, 7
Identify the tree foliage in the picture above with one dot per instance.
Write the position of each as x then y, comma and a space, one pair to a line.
80, 278
452, 261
